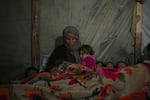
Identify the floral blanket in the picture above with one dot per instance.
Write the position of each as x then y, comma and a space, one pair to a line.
78, 82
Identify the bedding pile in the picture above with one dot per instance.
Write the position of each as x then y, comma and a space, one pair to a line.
78, 82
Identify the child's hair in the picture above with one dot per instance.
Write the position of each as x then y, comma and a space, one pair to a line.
109, 63
121, 61
86, 49
29, 69
100, 62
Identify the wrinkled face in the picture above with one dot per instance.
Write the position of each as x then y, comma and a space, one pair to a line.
71, 40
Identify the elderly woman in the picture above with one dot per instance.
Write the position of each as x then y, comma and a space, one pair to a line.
68, 51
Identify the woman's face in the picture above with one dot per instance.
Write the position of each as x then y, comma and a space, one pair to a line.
71, 40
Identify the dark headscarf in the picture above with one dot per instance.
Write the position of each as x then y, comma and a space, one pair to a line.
74, 31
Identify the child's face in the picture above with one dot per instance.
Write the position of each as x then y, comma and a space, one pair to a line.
99, 65
121, 65
31, 73
82, 54
109, 65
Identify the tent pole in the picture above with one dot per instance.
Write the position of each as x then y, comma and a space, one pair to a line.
35, 45
138, 34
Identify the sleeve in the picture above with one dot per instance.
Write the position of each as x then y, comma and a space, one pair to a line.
90, 62
55, 58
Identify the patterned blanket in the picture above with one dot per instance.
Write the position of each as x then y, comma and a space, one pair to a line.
78, 82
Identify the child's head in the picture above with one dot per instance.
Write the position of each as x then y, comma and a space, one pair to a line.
99, 64
110, 65
121, 64
31, 71
85, 50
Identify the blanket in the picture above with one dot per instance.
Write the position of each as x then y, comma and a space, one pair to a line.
78, 82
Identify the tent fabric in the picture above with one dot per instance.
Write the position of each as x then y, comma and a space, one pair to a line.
145, 24
15, 37
103, 24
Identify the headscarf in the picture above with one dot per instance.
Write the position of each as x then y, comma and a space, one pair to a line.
74, 31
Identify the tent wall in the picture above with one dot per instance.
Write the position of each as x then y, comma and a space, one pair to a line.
15, 37
104, 24
145, 24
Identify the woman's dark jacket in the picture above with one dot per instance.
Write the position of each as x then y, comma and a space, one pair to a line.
59, 55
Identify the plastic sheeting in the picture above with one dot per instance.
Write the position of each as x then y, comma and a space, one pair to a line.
104, 24
145, 23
